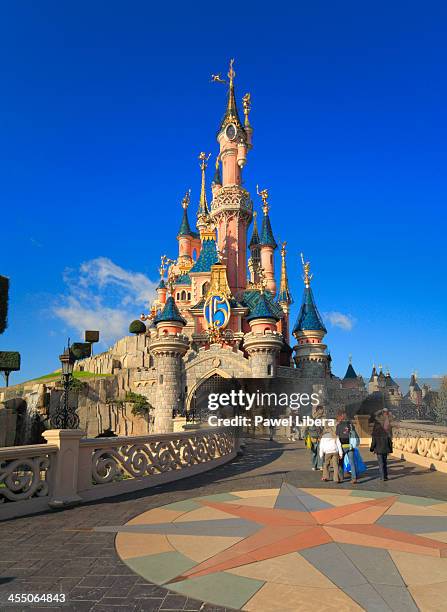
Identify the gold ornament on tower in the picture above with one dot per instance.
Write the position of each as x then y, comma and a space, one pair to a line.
306, 269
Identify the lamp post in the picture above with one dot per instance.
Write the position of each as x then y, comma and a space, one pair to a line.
65, 416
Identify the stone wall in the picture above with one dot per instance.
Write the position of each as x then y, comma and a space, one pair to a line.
128, 352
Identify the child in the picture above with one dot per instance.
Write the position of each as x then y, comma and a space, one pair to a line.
381, 444
330, 452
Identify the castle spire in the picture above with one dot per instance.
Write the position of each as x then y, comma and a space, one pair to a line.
266, 238
231, 113
203, 204
285, 296
254, 241
309, 318
185, 229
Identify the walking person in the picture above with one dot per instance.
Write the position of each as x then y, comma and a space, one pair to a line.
331, 453
381, 445
345, 431
312, 436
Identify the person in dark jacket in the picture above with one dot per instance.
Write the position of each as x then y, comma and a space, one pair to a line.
382, 445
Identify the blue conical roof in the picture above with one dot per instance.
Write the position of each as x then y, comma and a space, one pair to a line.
263, 309
161, 284
309, 318
185, 229
267, 238
254, 241
350, 372
183, 279
207, 258
170, 312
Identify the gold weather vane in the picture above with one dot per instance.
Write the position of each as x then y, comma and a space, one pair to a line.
231, 72
204, 160
306, 269
246, 103
264, 194
216, 78
186, 199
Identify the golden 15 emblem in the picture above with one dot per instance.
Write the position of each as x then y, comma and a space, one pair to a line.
217, 311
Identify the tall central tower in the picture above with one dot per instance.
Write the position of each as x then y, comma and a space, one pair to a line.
232, 208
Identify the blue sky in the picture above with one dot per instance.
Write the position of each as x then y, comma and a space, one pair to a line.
105, 106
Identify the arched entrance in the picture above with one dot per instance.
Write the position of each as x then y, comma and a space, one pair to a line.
198, 400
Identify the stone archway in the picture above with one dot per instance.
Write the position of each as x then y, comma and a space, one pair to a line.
215, 381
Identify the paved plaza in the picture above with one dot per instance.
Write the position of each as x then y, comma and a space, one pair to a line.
261, 533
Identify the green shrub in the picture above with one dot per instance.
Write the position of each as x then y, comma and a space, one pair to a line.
137, 327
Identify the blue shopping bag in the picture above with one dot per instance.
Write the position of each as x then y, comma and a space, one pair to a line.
360, 466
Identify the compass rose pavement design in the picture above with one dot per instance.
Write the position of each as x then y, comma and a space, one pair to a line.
290, 548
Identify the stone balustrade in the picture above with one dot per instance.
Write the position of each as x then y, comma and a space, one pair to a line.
70, 469
26, 477
421, 443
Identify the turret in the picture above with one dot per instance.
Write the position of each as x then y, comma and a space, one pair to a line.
264, 342
169, 320
351, 380
267, 243
262, 317
231, 208
310, 353
167, 349
185, 236
255, 252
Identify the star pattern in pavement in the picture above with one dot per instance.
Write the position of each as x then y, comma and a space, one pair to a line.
285, 531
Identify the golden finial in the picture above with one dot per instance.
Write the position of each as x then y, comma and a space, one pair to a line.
162, 268
231, 72
283, 249
264, 194
186, 199
203, 157
306, 269
246, 102
350, 358
380, 366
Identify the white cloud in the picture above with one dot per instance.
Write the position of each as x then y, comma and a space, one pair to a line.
338, 319
102, 295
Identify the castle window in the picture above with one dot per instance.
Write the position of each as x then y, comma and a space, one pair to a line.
205, 288
270, 370
271, 259
183, 296
189, 295
178, 297
151, 361
160, 379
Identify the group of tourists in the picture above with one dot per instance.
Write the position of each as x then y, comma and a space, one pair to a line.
335, 448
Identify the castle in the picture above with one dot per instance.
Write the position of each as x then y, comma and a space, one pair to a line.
219, 312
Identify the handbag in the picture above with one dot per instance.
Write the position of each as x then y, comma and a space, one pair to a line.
360, 466
354, 439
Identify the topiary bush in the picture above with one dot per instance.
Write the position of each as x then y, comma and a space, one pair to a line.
137, 327
4, 294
